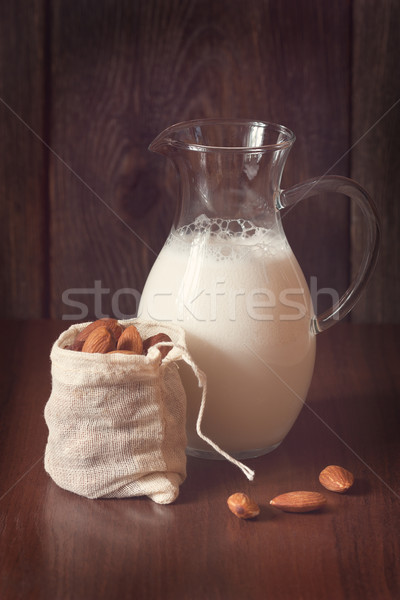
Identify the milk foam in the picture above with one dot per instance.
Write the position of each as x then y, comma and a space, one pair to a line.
227, 239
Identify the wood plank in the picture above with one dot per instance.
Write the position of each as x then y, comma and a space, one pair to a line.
23, 238
309, 68
121, 73
376, 155
108, 221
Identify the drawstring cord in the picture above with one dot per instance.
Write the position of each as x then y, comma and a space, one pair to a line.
202, 381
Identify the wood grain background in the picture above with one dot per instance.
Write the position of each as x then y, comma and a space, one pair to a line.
86, 86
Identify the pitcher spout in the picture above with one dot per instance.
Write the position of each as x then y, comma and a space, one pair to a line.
160, 144
176, 136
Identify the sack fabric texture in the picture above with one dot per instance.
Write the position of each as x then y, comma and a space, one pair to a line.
117, 422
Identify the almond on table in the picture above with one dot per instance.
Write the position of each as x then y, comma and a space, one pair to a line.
336, 479
299, 502
242, 506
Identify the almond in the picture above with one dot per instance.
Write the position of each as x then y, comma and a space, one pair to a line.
101, 340
76, 346
111, 324
299, 502
130, 340
336, 479
156, 339
242, 506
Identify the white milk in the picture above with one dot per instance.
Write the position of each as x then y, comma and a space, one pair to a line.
241, 297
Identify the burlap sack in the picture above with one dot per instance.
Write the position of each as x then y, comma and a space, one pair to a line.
117, 422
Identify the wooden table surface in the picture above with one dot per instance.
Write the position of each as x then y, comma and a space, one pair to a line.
57, 545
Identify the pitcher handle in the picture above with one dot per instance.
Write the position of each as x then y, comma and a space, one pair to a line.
348, 187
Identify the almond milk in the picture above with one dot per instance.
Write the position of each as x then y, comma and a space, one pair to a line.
241, 297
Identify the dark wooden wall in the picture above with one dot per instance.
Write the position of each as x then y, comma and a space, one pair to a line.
85, 86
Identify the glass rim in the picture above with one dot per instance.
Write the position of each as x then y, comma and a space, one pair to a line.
164, 137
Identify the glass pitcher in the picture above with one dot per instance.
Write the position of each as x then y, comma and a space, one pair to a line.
228, 276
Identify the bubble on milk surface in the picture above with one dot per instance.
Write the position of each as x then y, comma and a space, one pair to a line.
228, 239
